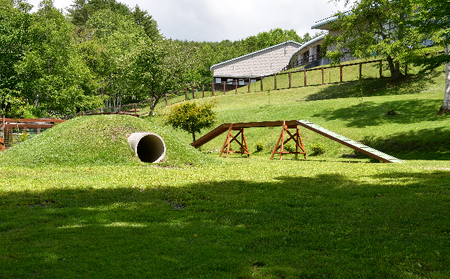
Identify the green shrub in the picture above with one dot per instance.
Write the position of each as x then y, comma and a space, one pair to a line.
259, 147
317, 149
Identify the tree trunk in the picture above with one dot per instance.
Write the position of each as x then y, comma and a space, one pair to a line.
394, 68
446, 105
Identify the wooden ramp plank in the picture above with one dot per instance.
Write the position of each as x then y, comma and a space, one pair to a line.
350, 143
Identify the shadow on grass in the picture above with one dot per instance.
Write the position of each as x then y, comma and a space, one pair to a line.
326, 226
424, 144
374, 114
375, 87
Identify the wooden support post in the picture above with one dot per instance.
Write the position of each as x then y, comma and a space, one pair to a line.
235, 86
185, 94
193, 93
290, 80
230, 138
249, 82
226, 144
304, 72
212, 90
203, 91
296, 137
340, 79
323, 76
262, 87
224, 84
2, 140
275, 82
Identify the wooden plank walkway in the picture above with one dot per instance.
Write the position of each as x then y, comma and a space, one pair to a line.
306, 124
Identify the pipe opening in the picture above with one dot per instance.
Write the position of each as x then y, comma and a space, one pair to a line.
149, 147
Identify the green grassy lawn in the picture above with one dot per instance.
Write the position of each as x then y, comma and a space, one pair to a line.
76, 203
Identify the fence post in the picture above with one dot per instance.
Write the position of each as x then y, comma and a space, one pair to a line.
249, 81
360, 70
304, 72
193, 95
262, 87
203, 91
212, 89
290, 83
275, 82
340, 78
323, 76
381, 68
166, 100
185, 94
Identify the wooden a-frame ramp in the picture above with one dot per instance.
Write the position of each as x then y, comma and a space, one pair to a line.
286, 125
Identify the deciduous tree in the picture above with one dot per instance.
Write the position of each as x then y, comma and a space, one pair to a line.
191, 117
376, 27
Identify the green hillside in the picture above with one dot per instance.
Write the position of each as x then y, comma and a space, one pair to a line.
97, 140
75, 201
399, 118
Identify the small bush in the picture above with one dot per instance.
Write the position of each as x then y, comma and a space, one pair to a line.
259, 147
317, 149
289, 147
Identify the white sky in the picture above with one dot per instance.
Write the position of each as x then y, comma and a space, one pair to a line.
217, 20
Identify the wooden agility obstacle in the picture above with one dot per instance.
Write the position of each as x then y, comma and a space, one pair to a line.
279, 148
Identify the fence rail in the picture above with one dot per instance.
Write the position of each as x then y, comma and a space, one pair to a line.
14, 130
299, 78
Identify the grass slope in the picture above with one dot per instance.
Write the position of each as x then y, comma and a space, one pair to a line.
358, 110
97, 140
326, 217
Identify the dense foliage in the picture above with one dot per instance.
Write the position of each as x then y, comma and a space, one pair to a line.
103, 53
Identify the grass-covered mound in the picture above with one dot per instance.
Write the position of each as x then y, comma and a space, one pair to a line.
98, 140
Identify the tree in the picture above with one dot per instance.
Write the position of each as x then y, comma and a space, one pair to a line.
191, 117
433, 19
51, 73
161, 67
15, 22
376, 27
111, 47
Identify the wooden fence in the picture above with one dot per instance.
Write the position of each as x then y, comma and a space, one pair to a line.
12, 130
295, 79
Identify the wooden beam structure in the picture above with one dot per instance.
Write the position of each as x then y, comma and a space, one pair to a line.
243, 147
9, 124
293, 124
296, 137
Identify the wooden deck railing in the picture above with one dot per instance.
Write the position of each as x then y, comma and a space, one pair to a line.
11, 127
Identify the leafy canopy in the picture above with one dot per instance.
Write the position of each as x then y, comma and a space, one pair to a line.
191, 117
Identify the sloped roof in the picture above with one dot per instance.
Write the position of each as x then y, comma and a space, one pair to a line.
253, 53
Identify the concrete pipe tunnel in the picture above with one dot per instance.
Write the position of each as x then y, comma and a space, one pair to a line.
149, 147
